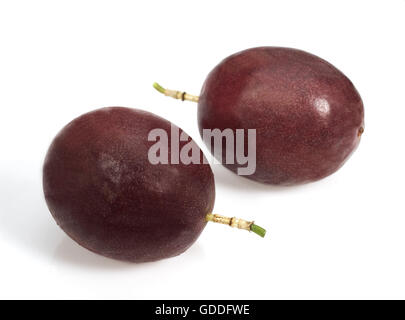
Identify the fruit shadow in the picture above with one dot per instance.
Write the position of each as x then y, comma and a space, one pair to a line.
25, 222
228, 179
70, 253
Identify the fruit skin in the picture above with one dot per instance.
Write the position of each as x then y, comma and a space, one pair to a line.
104, 193
307, 114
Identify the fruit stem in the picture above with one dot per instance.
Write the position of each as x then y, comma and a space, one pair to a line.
237, 223
158, 87
175, 94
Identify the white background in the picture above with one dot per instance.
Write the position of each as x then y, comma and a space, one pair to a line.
342, 237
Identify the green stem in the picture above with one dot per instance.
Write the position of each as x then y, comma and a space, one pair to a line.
159, 88
258, 230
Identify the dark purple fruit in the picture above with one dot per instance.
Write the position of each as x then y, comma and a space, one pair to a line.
307, 114
105, 194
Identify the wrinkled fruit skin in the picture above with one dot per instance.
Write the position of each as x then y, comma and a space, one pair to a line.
307, 114
104, 193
